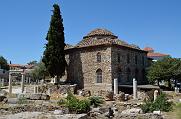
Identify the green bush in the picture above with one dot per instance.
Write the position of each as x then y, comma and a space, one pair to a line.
160, 103
72, 104
75, 105
22, 100
83, 106
147, 107
96, 101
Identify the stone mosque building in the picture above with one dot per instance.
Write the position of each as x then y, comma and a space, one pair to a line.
100, 57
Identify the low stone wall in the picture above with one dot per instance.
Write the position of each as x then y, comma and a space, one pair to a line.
62, 89
50, 89
98, 89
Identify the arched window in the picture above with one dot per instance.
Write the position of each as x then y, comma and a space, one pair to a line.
136, 74
128, 72
98, 57
99, 76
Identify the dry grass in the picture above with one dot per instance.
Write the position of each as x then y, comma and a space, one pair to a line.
176, 113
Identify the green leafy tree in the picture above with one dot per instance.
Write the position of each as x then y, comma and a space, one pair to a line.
54, 56
3, 63
176, 69
39, 72
166, 69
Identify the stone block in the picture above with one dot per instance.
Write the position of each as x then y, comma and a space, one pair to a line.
126, 97
3, 99
132, 111
84, 92
58, 112
179, 100
3, 93
142, 95
120, 97
109, 96
39, 97
157, 112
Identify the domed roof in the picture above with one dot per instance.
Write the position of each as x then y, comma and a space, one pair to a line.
102, 37
100, 32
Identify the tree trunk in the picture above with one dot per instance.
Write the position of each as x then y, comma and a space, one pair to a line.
158, 83
58, 80
169, 84
175, 83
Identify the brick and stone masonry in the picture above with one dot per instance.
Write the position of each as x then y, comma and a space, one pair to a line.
101, 57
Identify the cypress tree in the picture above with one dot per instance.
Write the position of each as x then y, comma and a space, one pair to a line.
54, 56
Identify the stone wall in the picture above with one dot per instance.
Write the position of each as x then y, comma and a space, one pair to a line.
83, 64
123, 65
82, 67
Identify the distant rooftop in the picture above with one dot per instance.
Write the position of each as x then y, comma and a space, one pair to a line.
21, 66
152, 54
149, 49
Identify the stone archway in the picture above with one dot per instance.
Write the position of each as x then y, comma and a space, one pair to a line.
11, 72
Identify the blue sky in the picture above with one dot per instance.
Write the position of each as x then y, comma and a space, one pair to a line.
24, 24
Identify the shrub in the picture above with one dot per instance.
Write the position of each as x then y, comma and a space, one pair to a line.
146, 107
75, 105
70, 96
96, 101
72, 104
160, 103
83, 106
22, 100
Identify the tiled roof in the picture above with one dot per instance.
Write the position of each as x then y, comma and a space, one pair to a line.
151, 53
68, 46
15, 65
148, 49
103, 37
156, 55
21, 66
